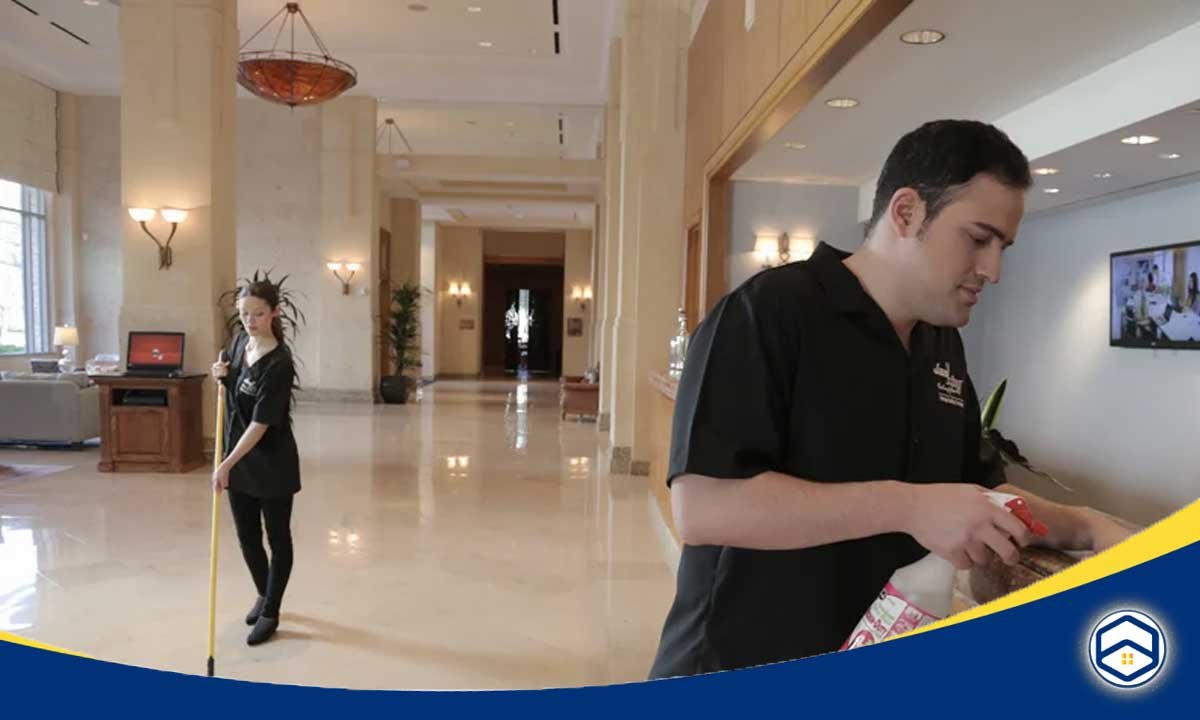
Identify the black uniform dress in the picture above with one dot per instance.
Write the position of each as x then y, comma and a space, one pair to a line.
799, 371
264, 482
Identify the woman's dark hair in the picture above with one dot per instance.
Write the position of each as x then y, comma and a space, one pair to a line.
940, 157
268, 292
1193, 288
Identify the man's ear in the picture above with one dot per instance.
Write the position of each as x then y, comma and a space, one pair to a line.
906, 212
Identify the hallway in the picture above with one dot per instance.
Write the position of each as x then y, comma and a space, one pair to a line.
467, 541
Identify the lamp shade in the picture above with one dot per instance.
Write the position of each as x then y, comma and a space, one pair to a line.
465, 289
142, 214
66, 336
334, 266
766, 247
174, 215
353, 267
454, 289
587, 293
802, 247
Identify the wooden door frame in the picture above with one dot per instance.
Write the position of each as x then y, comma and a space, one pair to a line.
849, 28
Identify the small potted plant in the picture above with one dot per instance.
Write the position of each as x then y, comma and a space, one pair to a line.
402, 335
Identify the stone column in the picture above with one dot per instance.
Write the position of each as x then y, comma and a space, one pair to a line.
178, 62
650, 248
349, 233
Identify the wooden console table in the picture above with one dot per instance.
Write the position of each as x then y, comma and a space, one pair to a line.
163, 432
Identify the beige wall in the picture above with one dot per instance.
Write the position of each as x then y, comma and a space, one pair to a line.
577, 271
504, 243
459, 258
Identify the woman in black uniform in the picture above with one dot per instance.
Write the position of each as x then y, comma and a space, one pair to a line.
261, 468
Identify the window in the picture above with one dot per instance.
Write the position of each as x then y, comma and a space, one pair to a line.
24, 275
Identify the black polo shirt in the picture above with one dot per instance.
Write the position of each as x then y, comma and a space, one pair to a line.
262, 393
799, 371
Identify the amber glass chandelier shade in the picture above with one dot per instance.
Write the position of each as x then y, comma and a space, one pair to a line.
294, 78
291, 77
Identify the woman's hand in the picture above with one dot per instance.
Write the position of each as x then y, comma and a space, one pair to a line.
220, 369
220, 478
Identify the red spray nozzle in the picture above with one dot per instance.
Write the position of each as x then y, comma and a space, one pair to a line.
1018, 507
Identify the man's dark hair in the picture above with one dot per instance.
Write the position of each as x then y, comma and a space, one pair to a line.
939, 157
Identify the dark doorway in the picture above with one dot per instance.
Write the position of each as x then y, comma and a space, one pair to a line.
522, 320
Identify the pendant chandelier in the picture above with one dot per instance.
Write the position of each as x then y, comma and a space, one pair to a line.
289, 77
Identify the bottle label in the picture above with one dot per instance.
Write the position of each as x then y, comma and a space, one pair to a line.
890, 615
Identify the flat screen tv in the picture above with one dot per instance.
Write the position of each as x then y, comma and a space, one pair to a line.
1155, 301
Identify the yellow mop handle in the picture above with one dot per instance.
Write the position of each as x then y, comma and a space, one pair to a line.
218, 456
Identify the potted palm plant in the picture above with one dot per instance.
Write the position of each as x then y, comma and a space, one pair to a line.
402, 334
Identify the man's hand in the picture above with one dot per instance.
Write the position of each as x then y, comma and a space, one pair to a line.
1105, 532
959, 523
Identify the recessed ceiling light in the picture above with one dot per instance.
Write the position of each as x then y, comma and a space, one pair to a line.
91, 3
510, 123
1139, 140
471, 122
418, 7
794, 145
1051, 191
1102, 175
841, 103
923, 37
485, 44
474, 9
1045, 171
1170, 156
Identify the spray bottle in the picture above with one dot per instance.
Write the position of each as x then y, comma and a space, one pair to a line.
922, 593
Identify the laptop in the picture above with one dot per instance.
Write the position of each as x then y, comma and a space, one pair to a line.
154, 354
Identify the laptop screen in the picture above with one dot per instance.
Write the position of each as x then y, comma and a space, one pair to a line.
155, 350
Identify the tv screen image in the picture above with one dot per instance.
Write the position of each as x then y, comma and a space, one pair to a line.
1156, 297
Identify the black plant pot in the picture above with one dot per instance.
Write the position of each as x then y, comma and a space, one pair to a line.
394, 389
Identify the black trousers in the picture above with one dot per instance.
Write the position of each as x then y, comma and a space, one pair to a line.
249, 514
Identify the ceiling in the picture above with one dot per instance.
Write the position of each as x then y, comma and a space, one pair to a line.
502, 214
493, 130
400, 55
447, 94
996, 58
1129, 166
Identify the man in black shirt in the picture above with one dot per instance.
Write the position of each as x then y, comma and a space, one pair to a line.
826, 431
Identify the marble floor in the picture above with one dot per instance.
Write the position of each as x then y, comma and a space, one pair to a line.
469, 540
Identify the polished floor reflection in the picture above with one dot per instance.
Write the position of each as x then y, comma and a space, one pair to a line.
466, 541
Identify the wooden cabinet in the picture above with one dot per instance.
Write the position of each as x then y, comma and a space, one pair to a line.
150, 424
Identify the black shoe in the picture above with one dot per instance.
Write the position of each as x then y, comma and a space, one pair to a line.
263, 630
252, 616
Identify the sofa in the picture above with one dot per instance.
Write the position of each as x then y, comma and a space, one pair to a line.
577, 397
37, 409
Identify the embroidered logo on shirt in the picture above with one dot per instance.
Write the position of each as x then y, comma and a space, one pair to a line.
950, 387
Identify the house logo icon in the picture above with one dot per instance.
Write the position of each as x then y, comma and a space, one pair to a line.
1127, 648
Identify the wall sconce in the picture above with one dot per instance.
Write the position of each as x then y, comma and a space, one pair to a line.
582, 295
337, 267
460, 291
777, 250
171, 215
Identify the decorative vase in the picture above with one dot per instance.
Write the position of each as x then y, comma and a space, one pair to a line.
678, 348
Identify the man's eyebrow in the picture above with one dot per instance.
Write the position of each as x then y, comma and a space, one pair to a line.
995, 231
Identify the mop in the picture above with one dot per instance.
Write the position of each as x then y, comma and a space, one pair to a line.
218, 455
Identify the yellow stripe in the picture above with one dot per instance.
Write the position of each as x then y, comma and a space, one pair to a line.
18, 640
1172, 533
